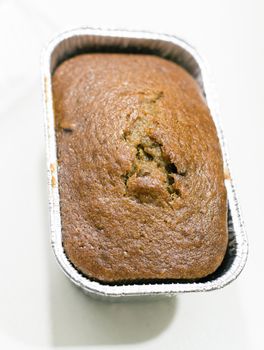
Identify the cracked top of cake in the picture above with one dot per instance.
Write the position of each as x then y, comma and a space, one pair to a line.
141, 176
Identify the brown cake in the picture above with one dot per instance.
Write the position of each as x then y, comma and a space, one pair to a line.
141, 177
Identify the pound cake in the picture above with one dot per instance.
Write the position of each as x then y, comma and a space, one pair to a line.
140, 168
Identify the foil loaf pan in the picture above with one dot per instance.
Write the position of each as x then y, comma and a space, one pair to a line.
170, 47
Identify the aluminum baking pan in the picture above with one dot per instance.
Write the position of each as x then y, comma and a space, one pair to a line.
170, 47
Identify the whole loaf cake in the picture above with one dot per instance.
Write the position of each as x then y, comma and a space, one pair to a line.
141, 179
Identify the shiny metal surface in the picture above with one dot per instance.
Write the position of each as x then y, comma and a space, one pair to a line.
96, 40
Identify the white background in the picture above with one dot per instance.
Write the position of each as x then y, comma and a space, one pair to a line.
39, 308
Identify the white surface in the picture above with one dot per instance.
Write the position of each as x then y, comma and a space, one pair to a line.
39, 308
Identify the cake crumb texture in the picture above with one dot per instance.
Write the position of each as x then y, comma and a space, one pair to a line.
140, 170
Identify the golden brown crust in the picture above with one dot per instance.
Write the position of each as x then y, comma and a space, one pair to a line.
140, 170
